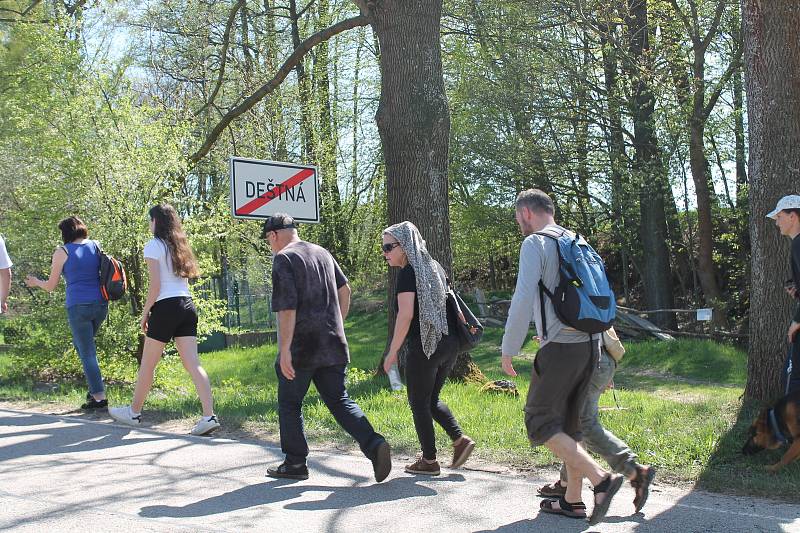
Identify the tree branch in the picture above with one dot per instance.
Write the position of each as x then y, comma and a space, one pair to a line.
223, 55
736, 63
690, 29
272, 84
712, 30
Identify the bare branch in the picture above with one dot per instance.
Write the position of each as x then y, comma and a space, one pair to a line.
223, 55
271, 85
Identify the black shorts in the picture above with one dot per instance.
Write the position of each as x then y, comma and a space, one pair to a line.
172, 317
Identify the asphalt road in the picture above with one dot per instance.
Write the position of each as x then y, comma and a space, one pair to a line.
67, 474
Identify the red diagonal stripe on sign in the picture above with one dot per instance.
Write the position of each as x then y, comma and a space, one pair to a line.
279, 189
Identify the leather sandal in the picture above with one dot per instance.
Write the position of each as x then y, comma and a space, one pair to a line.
571, 510
641, 484
609, 486
553, 490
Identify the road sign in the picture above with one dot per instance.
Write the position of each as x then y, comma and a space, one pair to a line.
260, 189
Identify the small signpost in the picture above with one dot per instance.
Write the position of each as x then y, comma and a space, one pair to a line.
260, 189
704, 314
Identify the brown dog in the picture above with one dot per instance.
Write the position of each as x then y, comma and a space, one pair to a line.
777, 426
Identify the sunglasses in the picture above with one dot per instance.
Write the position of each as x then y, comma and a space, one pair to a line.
389, 246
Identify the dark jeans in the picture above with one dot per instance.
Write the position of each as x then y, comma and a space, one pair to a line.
424, 381
793, 380
84, 321
329, 382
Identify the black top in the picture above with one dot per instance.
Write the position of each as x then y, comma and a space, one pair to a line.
796, 273
305, 277
407, 282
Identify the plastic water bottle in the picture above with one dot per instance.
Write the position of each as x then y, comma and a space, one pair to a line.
394, 378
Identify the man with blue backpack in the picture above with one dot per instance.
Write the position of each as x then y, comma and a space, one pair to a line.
562, 285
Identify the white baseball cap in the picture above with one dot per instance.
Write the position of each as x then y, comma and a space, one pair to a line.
791, 201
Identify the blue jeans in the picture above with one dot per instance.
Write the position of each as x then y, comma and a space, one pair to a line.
329, 382
84, 321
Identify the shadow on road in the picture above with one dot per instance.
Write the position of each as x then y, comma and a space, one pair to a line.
279, 490
40, 436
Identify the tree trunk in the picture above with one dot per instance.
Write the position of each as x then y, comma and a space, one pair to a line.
649, 173
413, 120
333, 234
616, 148
772, 80
303, 86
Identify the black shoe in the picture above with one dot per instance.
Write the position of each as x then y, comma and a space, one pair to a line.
91, 403
381, 461
287, 471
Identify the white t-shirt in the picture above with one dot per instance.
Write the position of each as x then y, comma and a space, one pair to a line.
171, 285
5, 261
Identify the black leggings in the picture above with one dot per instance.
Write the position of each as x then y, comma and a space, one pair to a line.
424, 381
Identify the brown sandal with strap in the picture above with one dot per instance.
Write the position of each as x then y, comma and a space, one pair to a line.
641, 484
553, 490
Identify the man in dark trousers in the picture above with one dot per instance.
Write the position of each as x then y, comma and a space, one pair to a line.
787, 217
312, 297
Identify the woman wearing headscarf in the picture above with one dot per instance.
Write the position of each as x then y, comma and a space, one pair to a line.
422, 321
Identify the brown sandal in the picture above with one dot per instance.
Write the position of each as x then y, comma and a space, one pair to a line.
641, 483
553, 490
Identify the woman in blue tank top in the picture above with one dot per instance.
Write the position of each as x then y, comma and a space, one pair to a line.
79, 262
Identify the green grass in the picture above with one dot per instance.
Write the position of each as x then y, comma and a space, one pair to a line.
679, 406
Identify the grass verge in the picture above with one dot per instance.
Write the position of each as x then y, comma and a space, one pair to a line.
677, 404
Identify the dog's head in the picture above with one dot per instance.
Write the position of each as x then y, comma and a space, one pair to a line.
760, 436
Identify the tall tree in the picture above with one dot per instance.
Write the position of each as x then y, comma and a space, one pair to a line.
697, 98
772, 82
648, 168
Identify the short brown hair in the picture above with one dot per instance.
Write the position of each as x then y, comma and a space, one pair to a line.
72, 228
793, 210
536, 200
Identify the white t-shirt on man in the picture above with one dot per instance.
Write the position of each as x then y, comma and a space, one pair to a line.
5, 261
171, 285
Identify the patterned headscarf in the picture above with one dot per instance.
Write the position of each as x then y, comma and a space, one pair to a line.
431, 289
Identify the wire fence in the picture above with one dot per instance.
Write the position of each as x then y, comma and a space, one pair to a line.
248, 300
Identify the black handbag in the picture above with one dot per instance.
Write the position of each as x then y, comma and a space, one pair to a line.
469, 331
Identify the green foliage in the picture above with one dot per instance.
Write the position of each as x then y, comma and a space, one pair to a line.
77, 140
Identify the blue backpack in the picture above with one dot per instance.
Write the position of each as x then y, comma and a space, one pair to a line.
583, 298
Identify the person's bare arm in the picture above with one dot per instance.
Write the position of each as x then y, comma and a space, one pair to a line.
344, 300
152, 291
5, 288
286, 323
402, 323
56, 266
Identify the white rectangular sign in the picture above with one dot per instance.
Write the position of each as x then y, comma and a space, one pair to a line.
704, 314
260, 189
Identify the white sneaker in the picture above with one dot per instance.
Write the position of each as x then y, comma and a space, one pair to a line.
204, 427
125, 415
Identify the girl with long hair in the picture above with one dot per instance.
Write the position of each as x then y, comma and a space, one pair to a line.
78, 260
169, 314
422, 321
